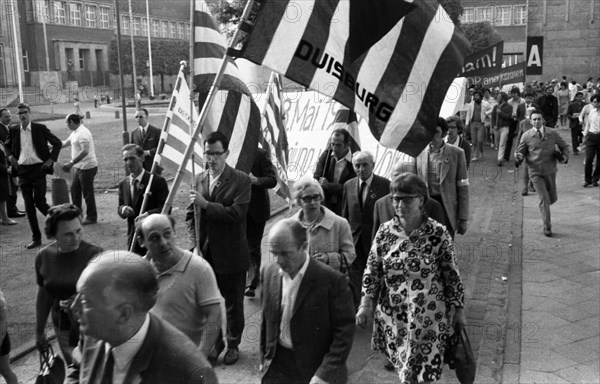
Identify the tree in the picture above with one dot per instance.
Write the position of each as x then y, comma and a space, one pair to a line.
481, 35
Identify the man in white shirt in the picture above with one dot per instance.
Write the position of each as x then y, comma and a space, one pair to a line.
83, 159
123, 342
591, 139
307, 313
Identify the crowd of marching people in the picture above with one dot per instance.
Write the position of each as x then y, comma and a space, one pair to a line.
361, 248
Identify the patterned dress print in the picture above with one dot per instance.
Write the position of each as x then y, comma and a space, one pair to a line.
417, 281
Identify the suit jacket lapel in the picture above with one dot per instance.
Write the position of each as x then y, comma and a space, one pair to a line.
138, 192
223, 180
276, 294
91, 371
305, 286
445, 164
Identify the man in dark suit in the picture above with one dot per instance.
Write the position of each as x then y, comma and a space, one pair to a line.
11, 203
146, 136
548, 104
221, 204
360, 195
263, 177
123, 342
334, 169
307, 314
132, 189
29, 153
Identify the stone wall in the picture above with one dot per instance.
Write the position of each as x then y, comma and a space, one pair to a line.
571, 31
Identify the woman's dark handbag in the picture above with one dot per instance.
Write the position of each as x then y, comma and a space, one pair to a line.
52, 367
459, 356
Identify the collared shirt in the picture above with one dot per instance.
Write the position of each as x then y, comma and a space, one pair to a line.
434, 167
289, 292
184, 290
144, 130
132, 184
366, 190
541, 133
212, 182
340, 164
28, 154
78, 139
124, 353
515, 104
593, 125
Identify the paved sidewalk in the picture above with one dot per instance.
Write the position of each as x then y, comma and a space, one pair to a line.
561, 284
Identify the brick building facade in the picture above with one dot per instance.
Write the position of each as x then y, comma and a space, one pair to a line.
8, 67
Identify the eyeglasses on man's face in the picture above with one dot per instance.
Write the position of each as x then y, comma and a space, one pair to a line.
213, 154
406, 199
310, 198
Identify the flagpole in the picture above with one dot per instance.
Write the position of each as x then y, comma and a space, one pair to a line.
149, 51
133, 63
194, 184
204, 113
268, 94
159, 149
18, 54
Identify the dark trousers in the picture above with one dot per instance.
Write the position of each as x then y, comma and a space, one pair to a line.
576, 137
592, 149
357, 270
512, 129
232, 287
254, 234
545, 186
11, 202
83, 184
32, 181
283, 369
446, 219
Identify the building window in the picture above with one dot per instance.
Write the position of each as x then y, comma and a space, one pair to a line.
90, 16
81, 60
155, 28
125, 24
164, 28
25, 61
468, 16
104, 17
173, 30
75, 14
42, 11
187, 31
60, 16
520, 14
180, 32
136, 26
144, 26
503, 15
484, 14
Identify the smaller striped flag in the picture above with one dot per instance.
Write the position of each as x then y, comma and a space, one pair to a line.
346, 118
273, 136
175, 136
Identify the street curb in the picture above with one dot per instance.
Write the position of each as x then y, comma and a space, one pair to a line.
26, 349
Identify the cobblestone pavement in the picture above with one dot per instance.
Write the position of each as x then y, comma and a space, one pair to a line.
531, 302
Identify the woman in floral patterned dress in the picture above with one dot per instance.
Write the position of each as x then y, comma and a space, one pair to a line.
412, 272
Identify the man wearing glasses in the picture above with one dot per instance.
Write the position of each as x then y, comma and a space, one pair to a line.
537, 148
29, 153
221, 202
146, 136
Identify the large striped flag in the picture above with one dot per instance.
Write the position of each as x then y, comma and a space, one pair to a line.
176, 133
274, 137
391, 61
233, 111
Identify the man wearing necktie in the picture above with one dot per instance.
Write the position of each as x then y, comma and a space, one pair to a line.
222, 199
123, 342
358, 201
11, 203
132, 189
146, 136
307, 313
537, 147
32, 151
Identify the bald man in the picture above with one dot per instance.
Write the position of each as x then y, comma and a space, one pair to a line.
307, 313
188, 296
123, 343
358, 201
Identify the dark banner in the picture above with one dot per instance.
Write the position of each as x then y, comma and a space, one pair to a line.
535, 55
484, 62
509, 75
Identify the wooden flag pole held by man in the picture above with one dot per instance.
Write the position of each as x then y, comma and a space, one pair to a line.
204, 113
193, 183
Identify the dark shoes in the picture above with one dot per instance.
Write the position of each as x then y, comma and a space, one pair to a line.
33, 244
389, 366
587, 185
547, 232
231, 356
524, 192
595, 184
88, 222
249, 292
17, 213
214, 354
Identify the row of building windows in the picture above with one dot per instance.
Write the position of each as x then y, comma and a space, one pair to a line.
500, 15
98, 16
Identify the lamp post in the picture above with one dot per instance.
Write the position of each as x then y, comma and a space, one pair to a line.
125, 134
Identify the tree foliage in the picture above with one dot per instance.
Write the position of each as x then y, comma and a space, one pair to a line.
481, 35
166, 56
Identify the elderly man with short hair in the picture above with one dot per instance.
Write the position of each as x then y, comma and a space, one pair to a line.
123, 342
188, 296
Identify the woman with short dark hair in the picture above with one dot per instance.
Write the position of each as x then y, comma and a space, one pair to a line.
411, 272
58, 267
